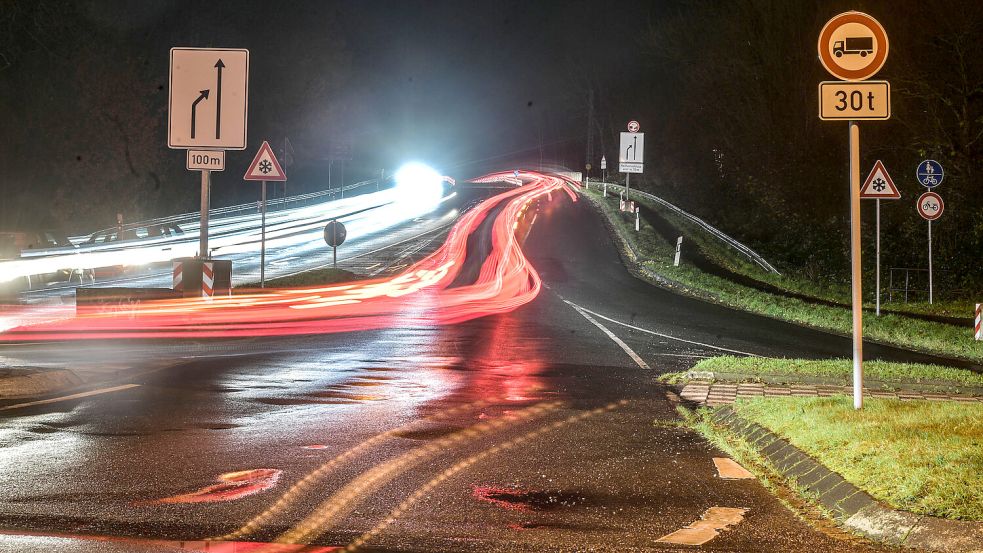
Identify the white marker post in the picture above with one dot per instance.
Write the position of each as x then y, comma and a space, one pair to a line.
978, 330
636, 219
679, 249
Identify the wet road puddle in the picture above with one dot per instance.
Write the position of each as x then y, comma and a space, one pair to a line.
231, 486
519, 499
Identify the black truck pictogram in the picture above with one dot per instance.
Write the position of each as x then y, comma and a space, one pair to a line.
854, 45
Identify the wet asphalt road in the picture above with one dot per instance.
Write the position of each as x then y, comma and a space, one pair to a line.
530, 431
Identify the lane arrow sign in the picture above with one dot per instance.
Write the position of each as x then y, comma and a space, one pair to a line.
218, 99
879, 185
194, 109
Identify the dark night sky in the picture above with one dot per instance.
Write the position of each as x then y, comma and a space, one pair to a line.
448, 81
465, 86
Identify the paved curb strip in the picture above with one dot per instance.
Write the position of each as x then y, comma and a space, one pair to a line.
37, 382
838, 382
852, 507
720, 393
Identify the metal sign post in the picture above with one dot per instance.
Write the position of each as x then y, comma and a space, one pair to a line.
879, 186
631, 155
262, 241
930, 174
208, 91
203, 231
853, 47
878, 280
334, 236
855, 266
264, 167
930, 207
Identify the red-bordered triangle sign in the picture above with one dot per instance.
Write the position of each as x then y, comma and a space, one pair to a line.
879, 185
265, 166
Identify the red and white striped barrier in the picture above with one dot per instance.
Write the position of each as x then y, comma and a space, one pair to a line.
207, 280
979, 316
178, 276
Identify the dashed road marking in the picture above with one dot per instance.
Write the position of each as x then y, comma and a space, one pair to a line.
728, 469
344, 501
654, 333
631, 353
464, 464
69, 397
713, 521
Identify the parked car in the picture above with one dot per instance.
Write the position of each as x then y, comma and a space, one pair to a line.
106, 236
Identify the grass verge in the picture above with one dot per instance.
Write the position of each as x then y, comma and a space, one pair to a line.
796, 498
918, 456
726, 257
839, 368
309, 278
656, 257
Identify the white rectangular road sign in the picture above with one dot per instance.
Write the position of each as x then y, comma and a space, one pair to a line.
206, 160
854, 100
631, 154
208, 98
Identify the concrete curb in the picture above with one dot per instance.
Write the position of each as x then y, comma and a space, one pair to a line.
25, 382
853, 508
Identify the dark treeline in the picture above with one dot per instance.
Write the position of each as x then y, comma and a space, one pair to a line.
727, 97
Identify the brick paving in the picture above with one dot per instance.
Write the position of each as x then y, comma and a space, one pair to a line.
722, 393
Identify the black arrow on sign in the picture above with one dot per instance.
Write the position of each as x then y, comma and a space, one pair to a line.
218, 99
194, 109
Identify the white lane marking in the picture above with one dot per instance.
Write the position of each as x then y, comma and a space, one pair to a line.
729, 469
70, 397
631, 353
664, 335
714, 521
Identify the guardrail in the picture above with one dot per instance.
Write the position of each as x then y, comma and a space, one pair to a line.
229, 210
713, 231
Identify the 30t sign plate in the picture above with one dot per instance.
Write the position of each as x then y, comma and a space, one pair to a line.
854, 100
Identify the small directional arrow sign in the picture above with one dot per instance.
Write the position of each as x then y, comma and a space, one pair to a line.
265, 166
879, 185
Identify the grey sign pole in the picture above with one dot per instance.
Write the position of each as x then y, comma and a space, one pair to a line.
203, 230
878, 257
930, 261
262, 241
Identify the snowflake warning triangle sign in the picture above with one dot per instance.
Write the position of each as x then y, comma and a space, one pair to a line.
879, 184
265, 166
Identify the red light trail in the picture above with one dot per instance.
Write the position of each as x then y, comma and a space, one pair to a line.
421, 295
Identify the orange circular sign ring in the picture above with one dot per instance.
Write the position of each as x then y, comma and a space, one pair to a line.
853, 74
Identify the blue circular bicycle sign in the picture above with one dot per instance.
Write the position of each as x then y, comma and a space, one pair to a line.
930, 173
